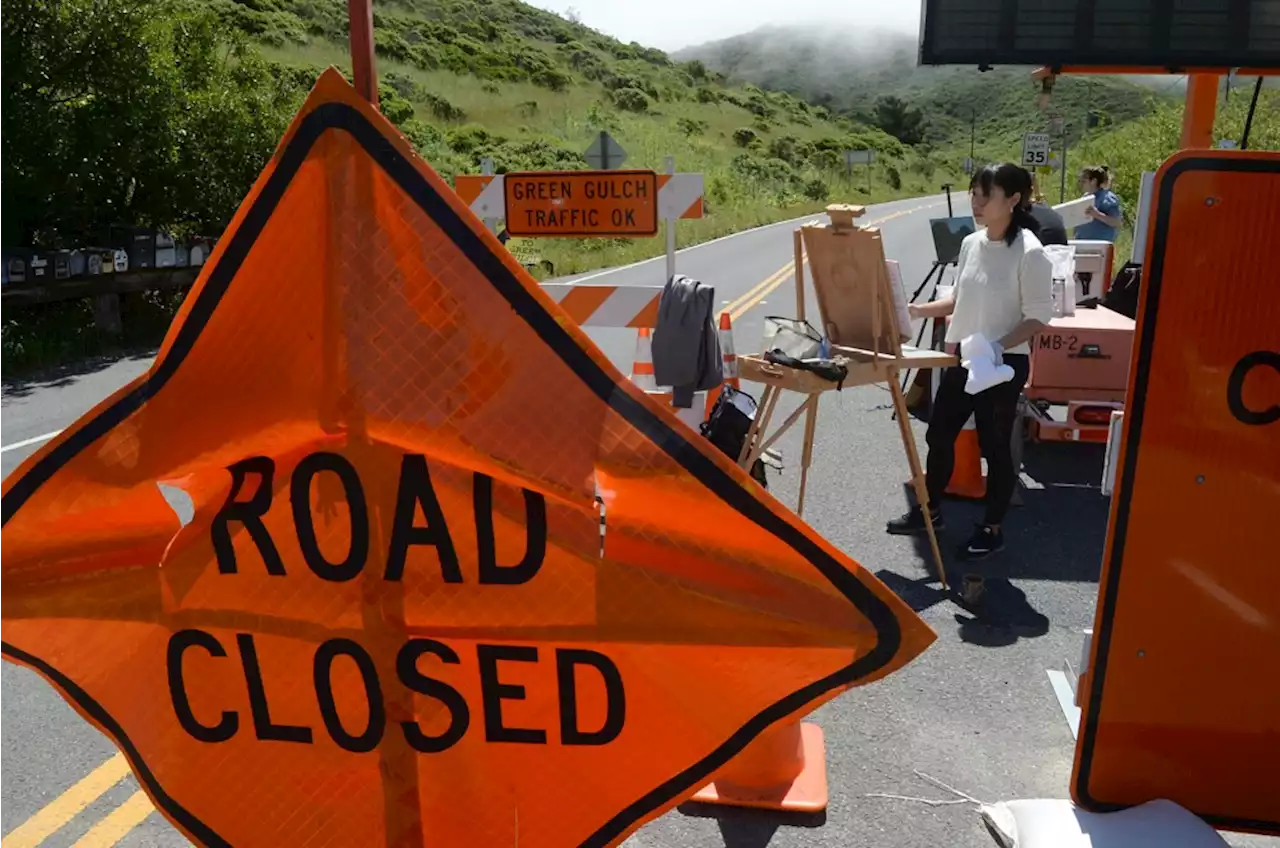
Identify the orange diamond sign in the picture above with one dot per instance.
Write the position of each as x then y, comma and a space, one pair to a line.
332, 571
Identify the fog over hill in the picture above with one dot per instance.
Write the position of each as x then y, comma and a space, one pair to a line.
851, 69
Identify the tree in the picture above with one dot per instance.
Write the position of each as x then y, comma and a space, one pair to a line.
899, 120
135, 112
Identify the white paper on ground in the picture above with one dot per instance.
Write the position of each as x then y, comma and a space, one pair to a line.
1057, 823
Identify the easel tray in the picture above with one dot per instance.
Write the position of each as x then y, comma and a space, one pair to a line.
755, 369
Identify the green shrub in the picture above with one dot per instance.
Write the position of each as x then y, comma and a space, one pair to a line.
764, 172
402, 85
825, 160
441, 108
631, 100
422, 135
470, 138
531, 155
743, 136
692, 126
816, 190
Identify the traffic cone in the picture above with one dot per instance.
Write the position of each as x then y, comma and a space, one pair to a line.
730, 360
967, 479
642, 364
784, 768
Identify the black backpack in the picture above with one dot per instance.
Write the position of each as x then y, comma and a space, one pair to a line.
727, 425
1122, 297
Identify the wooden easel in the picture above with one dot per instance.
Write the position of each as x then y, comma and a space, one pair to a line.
852, 286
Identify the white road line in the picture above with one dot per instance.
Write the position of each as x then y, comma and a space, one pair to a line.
34, 440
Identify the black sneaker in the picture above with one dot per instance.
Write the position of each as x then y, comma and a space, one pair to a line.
983, 542
912, 522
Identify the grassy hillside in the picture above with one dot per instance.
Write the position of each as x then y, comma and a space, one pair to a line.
500, 79
170, 127
1143, 144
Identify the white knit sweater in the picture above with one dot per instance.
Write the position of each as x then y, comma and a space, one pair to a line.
999, 285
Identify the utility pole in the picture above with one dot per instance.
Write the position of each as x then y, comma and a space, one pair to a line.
363, 63
973, 131
1062, 176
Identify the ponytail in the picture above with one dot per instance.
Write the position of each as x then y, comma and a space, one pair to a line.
1022, 220
1100, 174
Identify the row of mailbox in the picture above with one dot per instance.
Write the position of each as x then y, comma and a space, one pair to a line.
133, 251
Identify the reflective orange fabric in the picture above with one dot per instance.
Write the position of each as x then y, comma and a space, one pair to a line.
387, 618
1182, 700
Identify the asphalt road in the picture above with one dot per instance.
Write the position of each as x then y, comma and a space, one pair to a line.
976, 711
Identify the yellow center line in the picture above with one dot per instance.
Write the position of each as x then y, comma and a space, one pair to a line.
68, 805
758, 292
772, 283
754, 292
115, 826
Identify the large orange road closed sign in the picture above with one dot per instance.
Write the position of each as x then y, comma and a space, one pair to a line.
331, 571
1182, 699
582, 203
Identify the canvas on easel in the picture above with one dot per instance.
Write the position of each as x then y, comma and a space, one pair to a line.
855, 295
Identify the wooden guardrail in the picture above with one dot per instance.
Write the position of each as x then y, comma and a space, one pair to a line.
31, 292
104, 289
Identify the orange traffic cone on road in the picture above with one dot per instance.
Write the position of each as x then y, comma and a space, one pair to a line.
967, 479
784, 768
730, 359
642, 363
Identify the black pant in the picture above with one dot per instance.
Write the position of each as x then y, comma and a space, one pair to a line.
994, 412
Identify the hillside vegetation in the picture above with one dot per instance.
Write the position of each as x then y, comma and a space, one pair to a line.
861, 73
530, 89
169, 126
1130, 124
465, 80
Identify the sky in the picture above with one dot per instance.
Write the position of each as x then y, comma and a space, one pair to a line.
672, 24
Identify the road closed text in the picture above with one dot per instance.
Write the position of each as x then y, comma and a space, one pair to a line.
1260, 364
358, 685
582, 203
422, 666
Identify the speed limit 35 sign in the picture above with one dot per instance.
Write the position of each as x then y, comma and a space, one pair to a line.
1035, 150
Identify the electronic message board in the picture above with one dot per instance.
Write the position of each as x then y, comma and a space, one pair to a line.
1167, 34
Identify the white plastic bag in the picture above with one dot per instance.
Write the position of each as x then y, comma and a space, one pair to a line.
1063, 259
792, 336
1053, 823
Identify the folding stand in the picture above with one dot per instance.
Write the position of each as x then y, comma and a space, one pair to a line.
854, 297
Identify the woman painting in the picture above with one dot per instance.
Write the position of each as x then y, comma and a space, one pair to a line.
1003, 290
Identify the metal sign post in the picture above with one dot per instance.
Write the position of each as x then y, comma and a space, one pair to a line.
860, 157
670, 226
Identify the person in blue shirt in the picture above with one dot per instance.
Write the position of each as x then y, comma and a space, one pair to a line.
1104, 214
